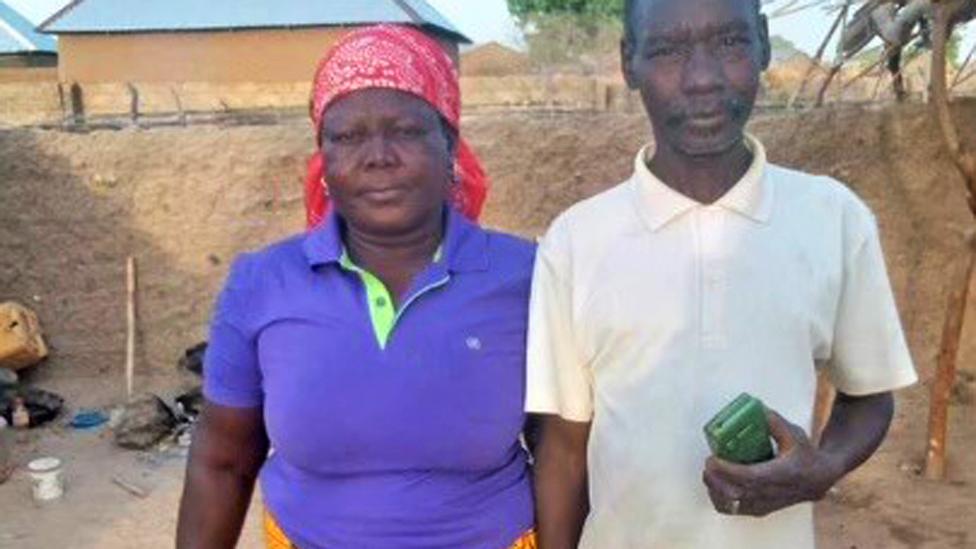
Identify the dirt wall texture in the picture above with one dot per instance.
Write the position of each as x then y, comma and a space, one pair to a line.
184, 201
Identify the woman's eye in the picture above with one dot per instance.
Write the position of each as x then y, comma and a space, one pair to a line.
342, 138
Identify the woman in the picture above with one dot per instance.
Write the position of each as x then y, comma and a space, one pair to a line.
381, 355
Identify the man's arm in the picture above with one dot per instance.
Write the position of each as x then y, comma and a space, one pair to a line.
800, 472
229, 448
561, 489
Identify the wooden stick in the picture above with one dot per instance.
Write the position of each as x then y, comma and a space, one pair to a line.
962, 68
945, 374
129, 487
130, 346
963, 157
822, 94
888, 52
966, 78
820, 53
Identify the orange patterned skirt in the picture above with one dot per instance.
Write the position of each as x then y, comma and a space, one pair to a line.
276, 539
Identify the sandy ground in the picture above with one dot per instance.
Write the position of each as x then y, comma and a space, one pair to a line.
184, 201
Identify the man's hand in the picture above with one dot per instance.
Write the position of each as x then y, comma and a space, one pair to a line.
799, 473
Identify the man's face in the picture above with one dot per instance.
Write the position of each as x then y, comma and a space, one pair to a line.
697, 65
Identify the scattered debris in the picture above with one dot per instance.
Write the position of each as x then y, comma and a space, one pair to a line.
190, 404
145, 421
910, 468
115, 416
8, 378
185, 439
130, 488
19, 416
192, 359
6, 449
42, 406
21, 343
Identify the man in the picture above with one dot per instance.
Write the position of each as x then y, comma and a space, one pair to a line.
710, 272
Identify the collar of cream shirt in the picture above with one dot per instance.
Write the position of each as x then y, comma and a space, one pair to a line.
751, 196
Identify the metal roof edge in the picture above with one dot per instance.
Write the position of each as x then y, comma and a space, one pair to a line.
42, 28
447, 31
457, 36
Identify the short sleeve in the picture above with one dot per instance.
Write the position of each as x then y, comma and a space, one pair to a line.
559, 381
232, 375
869, 352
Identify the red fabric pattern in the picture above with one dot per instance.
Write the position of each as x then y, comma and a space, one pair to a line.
399, 58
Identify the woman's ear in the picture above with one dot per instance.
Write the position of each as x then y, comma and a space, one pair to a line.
451, 136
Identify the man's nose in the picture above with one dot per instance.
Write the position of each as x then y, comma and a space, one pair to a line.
702, 72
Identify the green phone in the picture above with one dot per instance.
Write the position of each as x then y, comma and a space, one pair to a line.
740, 432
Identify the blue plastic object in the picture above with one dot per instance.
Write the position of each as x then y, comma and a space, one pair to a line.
89, 419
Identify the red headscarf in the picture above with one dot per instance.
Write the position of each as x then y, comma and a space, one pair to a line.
398, 58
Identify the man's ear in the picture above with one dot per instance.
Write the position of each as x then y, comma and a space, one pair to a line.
627, 62
764, 43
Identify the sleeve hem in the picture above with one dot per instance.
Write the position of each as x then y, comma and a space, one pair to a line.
233, 399
872, 387
576, 416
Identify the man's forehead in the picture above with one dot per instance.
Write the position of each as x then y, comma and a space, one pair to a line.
693, 16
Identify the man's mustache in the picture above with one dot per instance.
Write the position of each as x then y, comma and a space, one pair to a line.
736, 109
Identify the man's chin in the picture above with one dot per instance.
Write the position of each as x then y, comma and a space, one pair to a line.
710, 145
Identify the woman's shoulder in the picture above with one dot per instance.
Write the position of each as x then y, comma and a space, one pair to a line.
510, 250
282, 255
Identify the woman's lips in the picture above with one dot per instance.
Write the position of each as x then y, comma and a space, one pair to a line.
383, 194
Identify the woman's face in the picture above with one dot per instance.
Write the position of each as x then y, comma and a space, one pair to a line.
389, 161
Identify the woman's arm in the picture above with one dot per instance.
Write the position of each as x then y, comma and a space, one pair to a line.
229, 447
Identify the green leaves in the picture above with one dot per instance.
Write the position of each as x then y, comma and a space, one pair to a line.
525, 10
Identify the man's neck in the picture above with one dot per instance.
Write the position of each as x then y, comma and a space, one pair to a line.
704, 179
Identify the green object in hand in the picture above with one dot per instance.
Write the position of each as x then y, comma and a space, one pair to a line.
740, 432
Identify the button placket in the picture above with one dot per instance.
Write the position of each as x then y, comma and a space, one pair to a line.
713, 278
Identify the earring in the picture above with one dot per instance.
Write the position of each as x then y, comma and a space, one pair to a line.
325, 186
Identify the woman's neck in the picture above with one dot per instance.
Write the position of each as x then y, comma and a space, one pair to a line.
396, 258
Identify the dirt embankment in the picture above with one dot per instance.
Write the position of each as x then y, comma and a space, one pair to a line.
185, 201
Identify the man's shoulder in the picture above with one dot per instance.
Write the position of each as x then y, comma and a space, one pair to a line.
600, 215
821, 192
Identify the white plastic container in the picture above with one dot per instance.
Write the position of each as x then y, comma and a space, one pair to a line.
47, 477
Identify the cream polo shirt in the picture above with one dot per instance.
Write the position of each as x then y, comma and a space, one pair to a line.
651, 311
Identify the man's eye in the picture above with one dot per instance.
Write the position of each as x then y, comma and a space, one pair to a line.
663, 51
734, 41
411, 131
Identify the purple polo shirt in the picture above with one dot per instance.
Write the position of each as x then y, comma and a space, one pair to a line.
411, 445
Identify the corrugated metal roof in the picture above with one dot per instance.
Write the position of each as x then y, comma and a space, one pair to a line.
126, 16
17, 34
